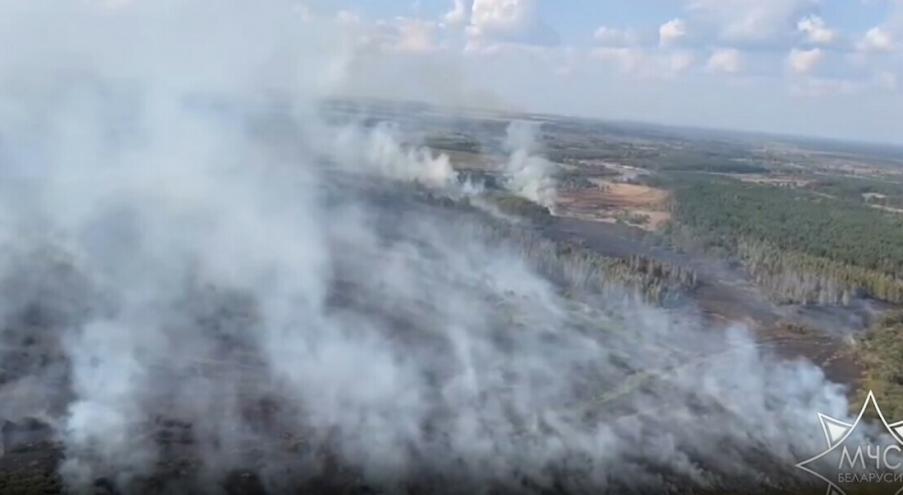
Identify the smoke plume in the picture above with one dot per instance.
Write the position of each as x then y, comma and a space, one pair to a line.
201, 277
528, 174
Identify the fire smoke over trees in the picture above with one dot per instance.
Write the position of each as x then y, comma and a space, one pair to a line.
200, 277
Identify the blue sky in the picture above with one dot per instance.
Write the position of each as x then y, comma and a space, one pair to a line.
811, 67
831, 68
574, 16
577, 19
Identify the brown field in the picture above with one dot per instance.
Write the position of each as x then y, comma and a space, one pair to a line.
612, 201
607, 201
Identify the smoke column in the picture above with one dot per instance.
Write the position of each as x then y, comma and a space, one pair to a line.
201, 277
528, 174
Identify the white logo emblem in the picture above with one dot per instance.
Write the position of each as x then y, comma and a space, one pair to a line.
855, 462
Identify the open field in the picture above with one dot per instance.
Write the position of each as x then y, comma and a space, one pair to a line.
606, 201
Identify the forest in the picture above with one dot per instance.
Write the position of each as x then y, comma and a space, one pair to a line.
802, 246
861, 190
881, 351
578, 269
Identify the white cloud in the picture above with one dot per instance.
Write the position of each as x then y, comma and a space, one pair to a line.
414, 35
502, 17
672, 32
459, 14
751, 20
402, 34
616, 37
493, 21
816, 30
492, 56
727, 60
680, 61
804, 61
877, 39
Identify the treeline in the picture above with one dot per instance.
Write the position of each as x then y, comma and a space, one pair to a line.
857, 189
791, 276
711, 165
881, 352
582, 271
578, 270
800, 246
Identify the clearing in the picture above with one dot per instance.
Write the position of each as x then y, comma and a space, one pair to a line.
608, 201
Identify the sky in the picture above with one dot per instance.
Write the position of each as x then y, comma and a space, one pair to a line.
829, 68
825, 68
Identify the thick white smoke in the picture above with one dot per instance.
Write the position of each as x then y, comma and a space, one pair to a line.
200, 276
380, 149
527, 173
